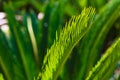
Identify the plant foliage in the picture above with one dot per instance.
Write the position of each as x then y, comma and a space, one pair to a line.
1, 77
83, 49
59, 52
102, 69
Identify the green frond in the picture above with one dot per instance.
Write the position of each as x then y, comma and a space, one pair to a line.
44, 29
18, 4
26, 63
17, 35
5, 66
107, 63
28, 28
31, 30
95, 37
1, 77
102, 30
55, 23
59, 52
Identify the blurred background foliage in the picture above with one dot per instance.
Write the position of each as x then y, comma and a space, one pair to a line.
32, 28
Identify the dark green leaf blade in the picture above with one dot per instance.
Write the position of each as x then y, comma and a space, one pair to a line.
5, 59
24, 52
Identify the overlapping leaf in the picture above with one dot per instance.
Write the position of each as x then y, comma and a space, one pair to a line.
24, 54
107, 63
92, 43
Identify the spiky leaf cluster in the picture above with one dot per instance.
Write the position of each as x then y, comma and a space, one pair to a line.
64, 43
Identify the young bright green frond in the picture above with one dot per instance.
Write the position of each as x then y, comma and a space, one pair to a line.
1, 77
60, 50
107, 63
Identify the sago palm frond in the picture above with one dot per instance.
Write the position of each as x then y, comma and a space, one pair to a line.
107, 63
95, 37
24, 54
7, 67
23, 47
59, 52
1, 77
